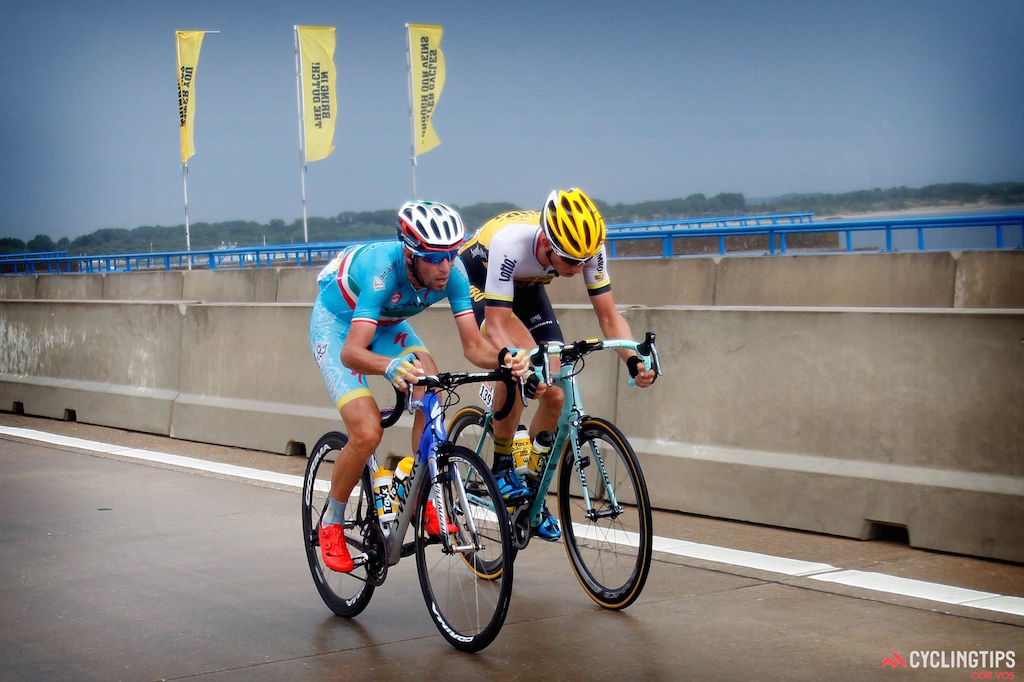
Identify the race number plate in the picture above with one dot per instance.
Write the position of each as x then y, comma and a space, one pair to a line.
487, 393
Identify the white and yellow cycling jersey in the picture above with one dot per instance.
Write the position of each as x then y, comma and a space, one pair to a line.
502, 256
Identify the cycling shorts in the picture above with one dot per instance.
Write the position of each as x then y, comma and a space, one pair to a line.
327, 333
533, 308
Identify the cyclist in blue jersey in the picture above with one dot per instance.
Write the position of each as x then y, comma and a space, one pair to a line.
359, 327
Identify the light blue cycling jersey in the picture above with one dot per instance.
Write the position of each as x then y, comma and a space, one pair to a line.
368, 283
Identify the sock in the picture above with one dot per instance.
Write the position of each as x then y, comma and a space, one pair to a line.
335, 513
502, 454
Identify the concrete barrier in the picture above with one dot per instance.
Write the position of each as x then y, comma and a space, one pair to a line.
973, 279
904, 280
114, 364
990, 279
833, 420
248, 378
252, 285
648, 281
297, 285
76, 287
17, 287
153, 285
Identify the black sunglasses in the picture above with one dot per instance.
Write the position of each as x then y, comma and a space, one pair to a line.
438, 257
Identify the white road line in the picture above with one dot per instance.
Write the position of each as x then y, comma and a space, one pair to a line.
152, 456
877, 582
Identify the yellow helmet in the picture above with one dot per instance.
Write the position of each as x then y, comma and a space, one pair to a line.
572, 224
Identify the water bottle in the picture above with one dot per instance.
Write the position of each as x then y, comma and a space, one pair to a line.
400, 487
383, 493
539, 456
521, 450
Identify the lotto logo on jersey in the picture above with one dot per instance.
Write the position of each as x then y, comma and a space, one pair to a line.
507, 267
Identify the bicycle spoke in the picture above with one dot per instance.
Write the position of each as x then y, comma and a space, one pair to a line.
607, 521
467, 591
347, 594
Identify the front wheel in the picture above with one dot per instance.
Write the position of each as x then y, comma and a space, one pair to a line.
466, 571
609, 541
347, 594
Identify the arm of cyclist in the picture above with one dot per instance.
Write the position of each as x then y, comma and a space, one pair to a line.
614, 326
482, 352
498, 321
357, 356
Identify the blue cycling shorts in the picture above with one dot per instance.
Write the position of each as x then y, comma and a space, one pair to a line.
327, 334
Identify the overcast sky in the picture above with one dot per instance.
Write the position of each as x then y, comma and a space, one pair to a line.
631, 101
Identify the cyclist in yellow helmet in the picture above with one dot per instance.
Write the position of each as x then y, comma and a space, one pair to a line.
508, 261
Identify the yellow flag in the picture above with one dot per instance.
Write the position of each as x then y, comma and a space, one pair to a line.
316, 47
426, 65
189, 43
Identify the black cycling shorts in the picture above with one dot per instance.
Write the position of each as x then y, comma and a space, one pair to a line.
531, 306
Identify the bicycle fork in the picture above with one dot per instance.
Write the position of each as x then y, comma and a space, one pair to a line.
573, 415
434, 433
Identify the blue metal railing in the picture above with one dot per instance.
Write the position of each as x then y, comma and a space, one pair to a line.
1006, 230
701, 223
1001, 225
246, 256
40, 255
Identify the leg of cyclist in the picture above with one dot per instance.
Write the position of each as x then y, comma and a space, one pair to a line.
512, 488
535, 307
362, 423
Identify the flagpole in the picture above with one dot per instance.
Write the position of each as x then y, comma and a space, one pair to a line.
184, 175
302, 134
188, 239
412, 121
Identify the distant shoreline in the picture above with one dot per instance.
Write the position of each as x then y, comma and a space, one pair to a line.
979, 208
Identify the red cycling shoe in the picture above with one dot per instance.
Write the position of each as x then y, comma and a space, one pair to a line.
432, 525
334, 550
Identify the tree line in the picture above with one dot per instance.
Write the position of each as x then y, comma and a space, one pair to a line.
366, 225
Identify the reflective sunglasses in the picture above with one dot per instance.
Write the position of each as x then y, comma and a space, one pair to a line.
438, 257
573, 262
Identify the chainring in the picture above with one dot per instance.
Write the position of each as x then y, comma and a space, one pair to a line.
520, 520
377, 554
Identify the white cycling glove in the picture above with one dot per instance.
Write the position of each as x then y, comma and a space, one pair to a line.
399, 368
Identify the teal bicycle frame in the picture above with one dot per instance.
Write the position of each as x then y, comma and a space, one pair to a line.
572, 415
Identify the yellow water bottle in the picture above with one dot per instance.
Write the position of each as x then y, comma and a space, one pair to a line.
400, 486
521, 450
384, 495
540, 451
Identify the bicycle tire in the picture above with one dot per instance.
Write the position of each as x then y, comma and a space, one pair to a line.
466, 429
468, 609
611, 555
346, 594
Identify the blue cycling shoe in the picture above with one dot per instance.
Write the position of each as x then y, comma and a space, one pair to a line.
548, 529
511, 487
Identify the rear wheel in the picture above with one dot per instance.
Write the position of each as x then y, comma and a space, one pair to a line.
466, 576
609, 545
347, 594
470, 428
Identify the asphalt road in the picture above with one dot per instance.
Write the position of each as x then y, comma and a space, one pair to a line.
112, 568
